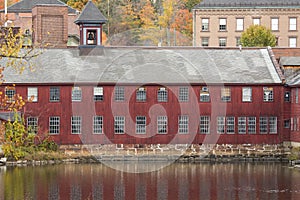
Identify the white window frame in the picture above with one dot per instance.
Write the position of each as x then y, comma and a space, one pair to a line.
54, 125
204, 125
119, 124
204, 41
220, 124
239, 24
273, 125
183, 94
226, 94
242, 125
247, 94
76, 94
222, 24
230, 125
275, 24
205, 24
162, 124
97, 124
162, 94
54, 94
32, 94
256, 21
222, 42
32, 124
251, 125
10, 93
140, 125
119, 93
204, 94
76, 124
98, 93
268, 93
183, 124
141, 94
292, 23
263, 125
292, 42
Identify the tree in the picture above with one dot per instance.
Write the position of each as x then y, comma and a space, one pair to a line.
258, 36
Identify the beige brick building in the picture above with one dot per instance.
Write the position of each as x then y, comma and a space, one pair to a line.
221, 22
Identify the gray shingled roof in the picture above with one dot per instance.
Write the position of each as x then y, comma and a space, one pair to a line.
150, 65
26, 6
90, 14
292, 74
247, 3
290, 61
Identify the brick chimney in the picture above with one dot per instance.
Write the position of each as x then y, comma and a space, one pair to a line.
50, 25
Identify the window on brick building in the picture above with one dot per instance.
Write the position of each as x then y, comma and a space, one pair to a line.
221, 124
292, 23
222, 24
272, 125
183, 94
98, 94
238, 41
240, 24
205, 24
204, 41
222, 42
54, 125
247, 94
32, 94
287, 96
54, 94
256, 21
263, 125
162, 124
242, 125
10, 93
204, 126
268, 94
292, 42
274, 24
287, 123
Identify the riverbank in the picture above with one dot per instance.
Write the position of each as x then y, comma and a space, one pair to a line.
160, 153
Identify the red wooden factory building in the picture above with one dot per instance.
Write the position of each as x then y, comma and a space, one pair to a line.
95, 94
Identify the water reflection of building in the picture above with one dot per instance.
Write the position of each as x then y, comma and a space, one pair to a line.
140, 95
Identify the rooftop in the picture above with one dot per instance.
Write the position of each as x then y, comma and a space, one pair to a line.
247, 3
131, 65
90, 14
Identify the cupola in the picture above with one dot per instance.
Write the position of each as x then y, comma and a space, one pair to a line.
90, 23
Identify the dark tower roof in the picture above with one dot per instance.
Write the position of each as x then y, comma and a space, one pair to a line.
26, 6
91, 14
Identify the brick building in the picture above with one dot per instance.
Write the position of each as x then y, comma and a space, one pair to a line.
221, 22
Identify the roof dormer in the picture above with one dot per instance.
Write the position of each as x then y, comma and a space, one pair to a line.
90, 23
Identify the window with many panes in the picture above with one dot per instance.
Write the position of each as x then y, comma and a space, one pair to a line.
54, 125
98, 94
263, 125
119, 93
162, 94
268, 94
183, 124
239, 24
221, 124
292, 23
292, 42
162, 124
183, 94
204, 124
32, 94
251, 125
204, 94
76, 94
247, 94
274, 24
97, 124
54, 94
76, 124
226, 94
204, 41
242, 125
140, 125
10, 93
32, 124
222, 42
230, 125
119, 124
222, 24
205, 24
256, 21
272, 125
141, 94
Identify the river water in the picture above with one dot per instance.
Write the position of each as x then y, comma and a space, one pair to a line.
175, 181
